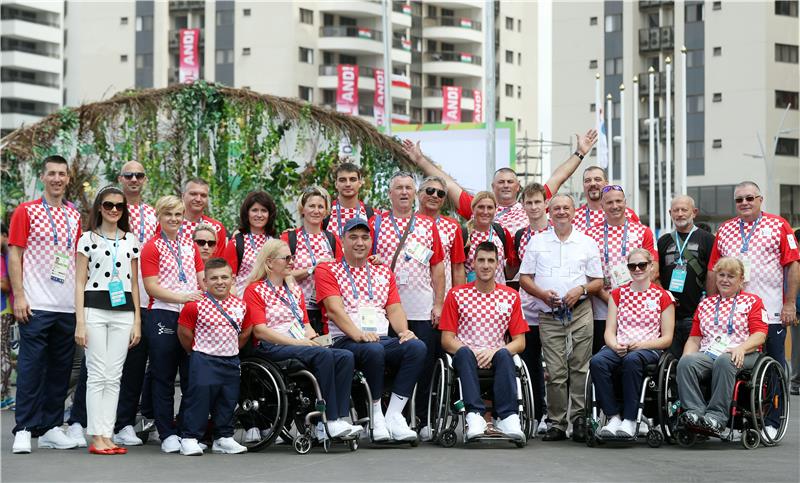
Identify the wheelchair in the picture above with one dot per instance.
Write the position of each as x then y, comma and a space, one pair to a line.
446, 409
273, 397
659, 387
361, 406
759, 392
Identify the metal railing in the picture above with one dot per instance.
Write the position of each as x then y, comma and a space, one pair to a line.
461, 57
437, 92
363, 71
461, 22
656, 38
28, 50
9, 13
351, 31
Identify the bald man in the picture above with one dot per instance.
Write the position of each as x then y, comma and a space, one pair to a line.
683, 257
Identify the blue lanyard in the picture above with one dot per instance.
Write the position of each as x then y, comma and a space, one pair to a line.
730, 315
141, 224
502, 212
746, 239
291, 303
308, 245
588, 218
53, 223
177, 256
339, 224
397, 228
680, 248
624, 240
252, 243
114, 270
353, 282
222, 311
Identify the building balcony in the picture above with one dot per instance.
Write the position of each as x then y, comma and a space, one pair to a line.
40, 62
15, 120
33, 92
452, 64
366, 9
175, 6
23, 29
659, 83
456, 3
452, 29
351, 40
328, 79
661, 127
432, 98
656, 38
647, 4
174, 34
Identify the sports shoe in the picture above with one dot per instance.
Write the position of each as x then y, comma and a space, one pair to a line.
425, 434
770, 432
610, 429
55, 438
690, 418
22, 442
7, 403
354, 428
126, 437
75, 432
172, 444
252, 435
476, 425
627, 429
227, 446
398, 428
379, 430
712, 424
543, 426
189, 447
554, 434
644, 427
338, 428
510, 427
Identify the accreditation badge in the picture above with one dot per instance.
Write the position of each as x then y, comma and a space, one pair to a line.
678, 279
60, 268
418, 252
718, 346
116, 292
620, 275
368, 318
296, 331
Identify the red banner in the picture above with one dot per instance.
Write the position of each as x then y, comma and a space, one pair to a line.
451, 109
380, 98
347, 89
477, 112
189, 55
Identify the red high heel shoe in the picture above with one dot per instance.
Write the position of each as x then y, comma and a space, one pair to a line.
119, 450
106, 451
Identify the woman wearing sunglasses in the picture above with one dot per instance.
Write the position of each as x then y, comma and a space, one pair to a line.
106, 310
641, 320
206, 240
276, 309
256, 226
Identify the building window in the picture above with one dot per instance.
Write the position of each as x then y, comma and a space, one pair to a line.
224, 17
144, 23
306, 93
695, 103
509, 23
246, 51
307, 16
717, 51
694, 58
784, 7
784, 99
509, 90
519, 25
786, 53
592, 107
614, 66
786, 147
123, 20
519, 92
716, 6
123, 58
694, 149
592, 20
716, 144
694, 13
246, 12
613, 23
144, 61
224, 56
509, 57
790, 203
717, 97
519, 58
306, 55
593, 64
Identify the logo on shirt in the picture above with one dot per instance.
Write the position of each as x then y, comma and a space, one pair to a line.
165, 330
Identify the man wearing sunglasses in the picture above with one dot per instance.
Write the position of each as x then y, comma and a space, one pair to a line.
432, 193
590, 213
195, 202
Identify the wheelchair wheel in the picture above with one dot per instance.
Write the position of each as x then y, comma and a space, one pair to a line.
353, 444
668, 403
448, 438
654, 438
769, 399
751, 439
301, 444
528, 406
438, 400
591, 439
685, 438
262, 405
588, 399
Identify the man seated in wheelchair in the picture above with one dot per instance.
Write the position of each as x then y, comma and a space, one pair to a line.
360, 301
276, 308
727, 330
641, 320
475, 320
212, 330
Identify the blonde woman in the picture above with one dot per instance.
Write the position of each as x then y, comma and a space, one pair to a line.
481, 228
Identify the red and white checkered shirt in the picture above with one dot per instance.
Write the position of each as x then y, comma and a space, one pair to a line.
31, 230
188, 227
639, 313
481, 320
504, 249
530, 304
452, 247
252, 245
322, 249
213, 333
331, 280
772, 246
264, 306
512, 219
639, 236
413, 278
157, 260
749, 317
595, 217
142, 234
340, 216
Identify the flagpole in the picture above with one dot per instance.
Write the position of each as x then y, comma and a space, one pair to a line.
623, 171
610, 136
598, 107
636, 145
651, 204
668, 147
489, 114
684, 110
387, 67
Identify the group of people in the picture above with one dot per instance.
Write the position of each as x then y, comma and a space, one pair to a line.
153, 292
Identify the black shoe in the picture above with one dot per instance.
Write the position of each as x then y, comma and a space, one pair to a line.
579, 430
554, 434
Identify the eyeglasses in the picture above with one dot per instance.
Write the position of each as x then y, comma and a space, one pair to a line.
130, 175
287, 258
210, 243
614, 187
431, 190
108, 206
640, 266
741, 199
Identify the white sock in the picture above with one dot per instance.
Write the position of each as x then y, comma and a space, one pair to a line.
377, 410
396, 404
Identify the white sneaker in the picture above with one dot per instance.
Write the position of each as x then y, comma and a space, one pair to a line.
543, 426
126, 437
379, 431
338, 428
425, 434
627, 429
203, 446
511, 427
476, 425
644, 427
172, 444
56, 439
227, 446
252, 435
75, 432
22, 442
770, 431
398, 428
354, 428
611, 428
189, 447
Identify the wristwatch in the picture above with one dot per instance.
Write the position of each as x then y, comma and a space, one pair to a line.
578, 154
584, 290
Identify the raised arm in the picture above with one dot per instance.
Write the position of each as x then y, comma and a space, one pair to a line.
568, 167
428, 167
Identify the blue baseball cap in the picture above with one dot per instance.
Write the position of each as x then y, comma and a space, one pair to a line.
355, 223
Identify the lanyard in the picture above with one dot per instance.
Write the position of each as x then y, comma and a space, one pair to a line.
746, 239
339, 224
588, 218
624, 240
252, 243
502, 212
680, 248
177, 256
308, 245
224, 314
114, 270
53, 223
141, 224
436, 221
730, 315
397, 228
291, 303
353, 282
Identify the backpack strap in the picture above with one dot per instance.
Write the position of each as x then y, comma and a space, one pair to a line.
518, 238
331, 241
500, 233
465, 237
325, 222
239, 248
292, 236
369, 211
377, 234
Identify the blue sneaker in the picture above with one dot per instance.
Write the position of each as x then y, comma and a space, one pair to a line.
7, 403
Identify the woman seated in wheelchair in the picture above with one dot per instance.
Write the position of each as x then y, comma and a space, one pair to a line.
727, 330
277, 310
641, 320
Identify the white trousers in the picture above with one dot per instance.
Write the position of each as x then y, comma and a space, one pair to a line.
108, 335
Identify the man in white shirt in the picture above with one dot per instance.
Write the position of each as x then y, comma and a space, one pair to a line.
562, 268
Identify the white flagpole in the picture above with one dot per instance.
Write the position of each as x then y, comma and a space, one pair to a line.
623, 169
489, 91
651, 204
636, 145
610, 137
668, 148
598, 104
387, 67
684, 110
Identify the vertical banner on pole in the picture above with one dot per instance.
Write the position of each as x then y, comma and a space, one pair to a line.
623, 148
610, 136
451, 108
347, 89
477, 113
684, 144
602, 140
635, 145
189, 55
668, 146
380, 97
651, 121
